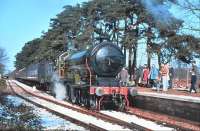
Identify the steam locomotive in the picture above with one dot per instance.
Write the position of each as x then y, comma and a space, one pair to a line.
89, 76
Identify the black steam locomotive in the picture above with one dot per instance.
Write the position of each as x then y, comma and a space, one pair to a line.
89, 76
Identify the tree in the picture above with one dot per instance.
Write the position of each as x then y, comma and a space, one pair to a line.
28, 54
123, 22
191, 9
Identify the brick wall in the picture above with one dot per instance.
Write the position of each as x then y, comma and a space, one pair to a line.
183, 109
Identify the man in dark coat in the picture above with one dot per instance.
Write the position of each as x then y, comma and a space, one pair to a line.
194, 73
171, 76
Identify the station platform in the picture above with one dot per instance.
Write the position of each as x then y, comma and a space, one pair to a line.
173, 94
179, 103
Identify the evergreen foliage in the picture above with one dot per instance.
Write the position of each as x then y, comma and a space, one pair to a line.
124, 22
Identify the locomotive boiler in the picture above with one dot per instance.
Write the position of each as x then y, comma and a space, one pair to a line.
91, 77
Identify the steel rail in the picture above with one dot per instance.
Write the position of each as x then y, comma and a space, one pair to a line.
66, 117
132, 126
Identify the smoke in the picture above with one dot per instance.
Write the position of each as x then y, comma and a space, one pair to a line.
159, 11
58, 87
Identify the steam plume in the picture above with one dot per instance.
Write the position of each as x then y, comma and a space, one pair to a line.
58, 87
159, 11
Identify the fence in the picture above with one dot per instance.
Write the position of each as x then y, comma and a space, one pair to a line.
182, 78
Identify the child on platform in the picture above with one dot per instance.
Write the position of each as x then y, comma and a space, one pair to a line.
158, 83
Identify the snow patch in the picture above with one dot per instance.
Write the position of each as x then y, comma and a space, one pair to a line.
48, 120
77, 115
134, 119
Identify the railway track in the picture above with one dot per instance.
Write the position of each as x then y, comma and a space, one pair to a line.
66, 117
137, 120
98, 115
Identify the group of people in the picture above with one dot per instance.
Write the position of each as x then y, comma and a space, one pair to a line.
157, 78
154, 77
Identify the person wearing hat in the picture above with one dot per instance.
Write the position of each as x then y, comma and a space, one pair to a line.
194, 73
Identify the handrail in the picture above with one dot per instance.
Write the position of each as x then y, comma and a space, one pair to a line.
87, 66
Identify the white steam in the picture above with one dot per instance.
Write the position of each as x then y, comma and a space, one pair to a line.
160, 11
58, 87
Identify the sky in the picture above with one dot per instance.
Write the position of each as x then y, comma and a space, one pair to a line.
189, 19
23, 20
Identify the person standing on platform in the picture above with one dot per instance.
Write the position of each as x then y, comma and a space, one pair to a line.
145, 75
123, 75
171, 76
164, 73
158, 82
154, 72
139, 74
194, 74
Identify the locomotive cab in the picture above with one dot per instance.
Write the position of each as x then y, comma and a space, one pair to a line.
61, 66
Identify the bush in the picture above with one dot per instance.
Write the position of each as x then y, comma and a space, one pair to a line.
2, 84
